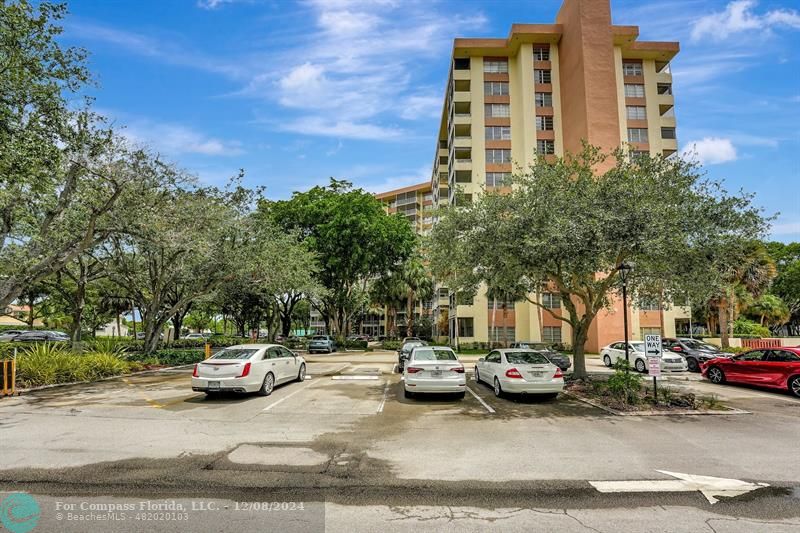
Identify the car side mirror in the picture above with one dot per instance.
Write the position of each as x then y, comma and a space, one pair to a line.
481, 359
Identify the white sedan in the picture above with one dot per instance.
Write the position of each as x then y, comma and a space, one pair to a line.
517, 370
434, 369
670, 361
248, 368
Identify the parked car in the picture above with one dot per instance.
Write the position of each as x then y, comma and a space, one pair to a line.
558, 358
777, 368
321, 343
9, 334
411, 339
196, 336
434, 369
520, 370
404, 352
40, 336
693, 350
670, 362
248, 368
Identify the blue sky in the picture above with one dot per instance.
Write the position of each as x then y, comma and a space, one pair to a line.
295, 92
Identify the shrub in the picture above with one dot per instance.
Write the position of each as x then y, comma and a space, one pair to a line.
170, 357
748, 328
355, 345
96, 365
50, 363
390, 345
625, 385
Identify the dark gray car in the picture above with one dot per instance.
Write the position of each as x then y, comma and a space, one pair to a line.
405, 352
557, 358
693, 350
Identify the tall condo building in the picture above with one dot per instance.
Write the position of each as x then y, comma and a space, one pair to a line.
545, 89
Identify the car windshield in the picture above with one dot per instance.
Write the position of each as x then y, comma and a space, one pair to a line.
637, 346
529, 358
429, 354
235, 353
319, 338
697, 345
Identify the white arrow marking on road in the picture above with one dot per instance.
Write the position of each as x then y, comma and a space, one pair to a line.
708, 485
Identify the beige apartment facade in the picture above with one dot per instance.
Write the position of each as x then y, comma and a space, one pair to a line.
544, 89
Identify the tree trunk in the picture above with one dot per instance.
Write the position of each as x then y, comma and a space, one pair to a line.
410, 314
579, 337
119, 327
723, 323
177, 324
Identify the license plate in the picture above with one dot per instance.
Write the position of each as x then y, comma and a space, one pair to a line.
436, 373
536, 374
213, 384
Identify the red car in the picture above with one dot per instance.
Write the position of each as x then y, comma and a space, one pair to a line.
777, 368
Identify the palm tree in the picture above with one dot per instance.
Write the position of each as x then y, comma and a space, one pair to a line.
770, 310
387, 292
752, 273
418, 287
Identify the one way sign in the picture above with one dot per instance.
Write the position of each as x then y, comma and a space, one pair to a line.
652, 345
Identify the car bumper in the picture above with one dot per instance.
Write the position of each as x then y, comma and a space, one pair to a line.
225, 385
674, 367
518, 386
444, 386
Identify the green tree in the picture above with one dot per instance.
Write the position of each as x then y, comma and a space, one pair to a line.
352, 237
416, 279
770, 311
63, 174
787, 283
572, 222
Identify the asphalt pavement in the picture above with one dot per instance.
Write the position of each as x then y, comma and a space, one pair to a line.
360, 457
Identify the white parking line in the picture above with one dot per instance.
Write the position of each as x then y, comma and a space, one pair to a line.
383, 400
270, 406
486, 405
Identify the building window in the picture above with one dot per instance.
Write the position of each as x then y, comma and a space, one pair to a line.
498, 133
444, 292
649, 304
542, 76
495, 65
650, 331
498, 156
551, 334
495, 88
636, 112
541, 53
551, 300
632, 69
637, 135
497, 179
461, 63
664, 88
466, 327
545, 147
544, 123
544, 100
504, 334
639, 154
667, 133
500, 303
634, 90
463, 176
497, 110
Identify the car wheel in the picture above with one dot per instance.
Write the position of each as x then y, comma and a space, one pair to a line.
693, 365
794, 386
498, 390
301, 375
716, 375
461, 395
407, 393
477, 375
268, 385
640, 366
607, 360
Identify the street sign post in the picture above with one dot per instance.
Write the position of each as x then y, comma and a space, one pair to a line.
653, 351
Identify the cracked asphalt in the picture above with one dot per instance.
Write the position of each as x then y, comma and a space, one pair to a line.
345, 451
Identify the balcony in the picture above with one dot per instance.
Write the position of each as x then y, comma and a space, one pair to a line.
462, 96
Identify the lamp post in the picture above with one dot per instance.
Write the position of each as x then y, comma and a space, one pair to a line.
624, 270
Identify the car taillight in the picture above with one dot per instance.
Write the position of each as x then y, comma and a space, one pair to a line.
513, 373
558, 373
676, 349
245, 370
459, 369
195, 372
413, 370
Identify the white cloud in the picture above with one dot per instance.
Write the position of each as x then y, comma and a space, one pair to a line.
176, 139
786, 228
314, 125
390, 183
738, 17
710, 151
418, 106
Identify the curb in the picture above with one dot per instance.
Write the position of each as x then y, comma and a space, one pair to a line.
684, 412
18, 392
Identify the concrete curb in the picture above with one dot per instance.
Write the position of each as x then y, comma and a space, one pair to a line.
18, 392
683, 412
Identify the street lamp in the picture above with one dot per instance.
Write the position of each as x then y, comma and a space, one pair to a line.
624, 269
